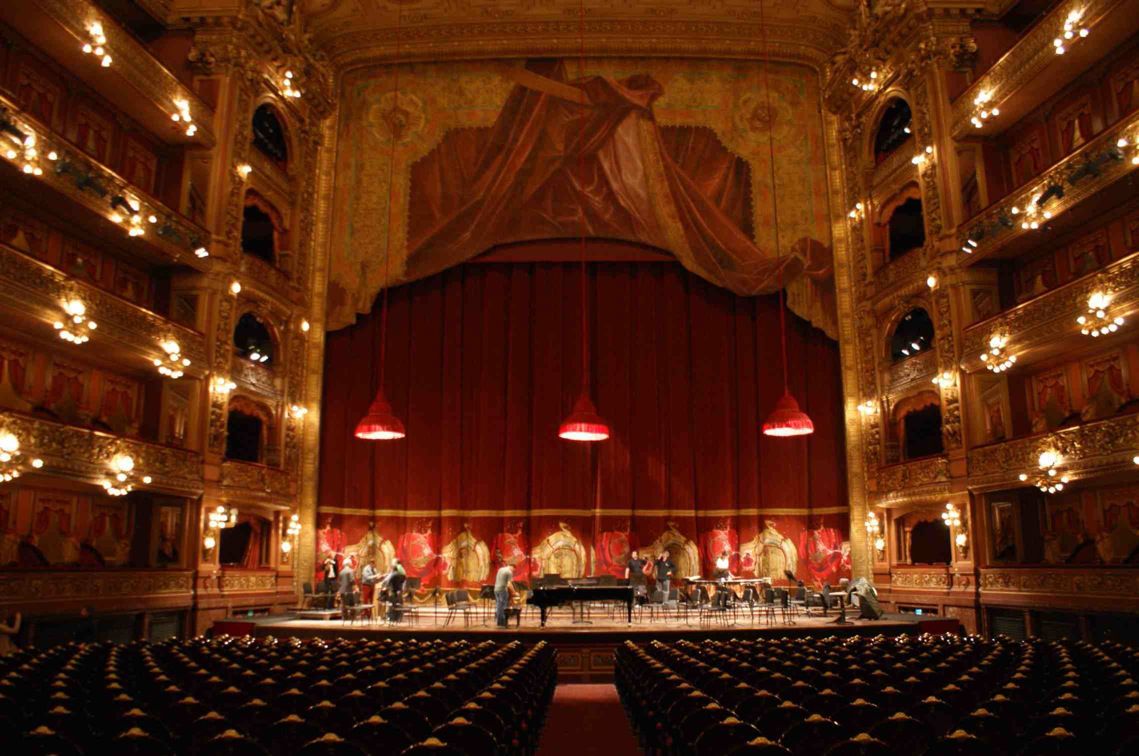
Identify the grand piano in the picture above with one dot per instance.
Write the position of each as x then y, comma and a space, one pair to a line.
581, 592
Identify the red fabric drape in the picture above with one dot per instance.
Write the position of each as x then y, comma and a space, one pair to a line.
484, 362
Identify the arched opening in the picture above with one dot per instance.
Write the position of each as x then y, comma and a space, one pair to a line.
252, 340
913, 335
893, 128
244, 434
269, 135
921, 432
258, 236
929, 543
245, 544
906, 228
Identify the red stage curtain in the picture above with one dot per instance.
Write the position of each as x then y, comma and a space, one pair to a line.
484, 362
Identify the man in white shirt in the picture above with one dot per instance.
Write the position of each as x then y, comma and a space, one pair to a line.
503, 590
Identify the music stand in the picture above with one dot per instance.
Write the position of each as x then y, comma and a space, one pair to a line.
486, 593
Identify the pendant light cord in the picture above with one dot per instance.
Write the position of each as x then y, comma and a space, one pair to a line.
391, 195
774, 193
585, 372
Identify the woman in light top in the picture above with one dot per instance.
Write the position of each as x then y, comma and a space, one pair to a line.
723, 566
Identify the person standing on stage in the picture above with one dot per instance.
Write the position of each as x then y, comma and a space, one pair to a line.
664, 569
635, 566
328, 579
504, 590
368, 579
346, 585
393, 583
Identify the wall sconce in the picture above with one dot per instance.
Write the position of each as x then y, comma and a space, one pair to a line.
243, 170
182, 115
945, 380
920, 158
172, 366
97, 44
287, 88
868, 407
219, 384
931, 282
298, 412
201, 253
235, 288
869, 83
123, 476
222, 518
11, 459
1050, 480
997, 359
76, 326
982, 110
857, 213
305, 326
874, 531
292, 530
961, 540
951, 516
1072, 31
1098, 322
969, 247
24, 151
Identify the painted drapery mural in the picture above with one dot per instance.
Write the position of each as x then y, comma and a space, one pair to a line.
670, 153
484, 361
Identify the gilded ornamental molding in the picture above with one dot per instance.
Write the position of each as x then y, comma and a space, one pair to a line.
85, 455
932, 579
31, 286
1092, 449
248, 583
20, 588
911, 482
1051, 580
1042, 323
907, 375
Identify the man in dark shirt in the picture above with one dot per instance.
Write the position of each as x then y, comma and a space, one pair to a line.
635, 573
664, 569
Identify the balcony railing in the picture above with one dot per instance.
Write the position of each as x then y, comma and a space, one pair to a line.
41, 155
1084, 451
1046, 325
102, 589
246, 480
916, 480
85, 455
1016, 83
39, 290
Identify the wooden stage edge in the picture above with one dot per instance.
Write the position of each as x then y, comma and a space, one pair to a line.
585, 653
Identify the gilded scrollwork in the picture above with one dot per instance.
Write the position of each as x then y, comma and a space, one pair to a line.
921, 579
1099, 581
256, 481
24, 588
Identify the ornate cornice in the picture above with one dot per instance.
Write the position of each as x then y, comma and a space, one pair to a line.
1024, 66
24, 588
153, 87
94, 186
1092, 588
1086, 450
35, 288
1044, 325
85, 455
1075, 179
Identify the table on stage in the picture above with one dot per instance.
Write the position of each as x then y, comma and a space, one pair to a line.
548, 597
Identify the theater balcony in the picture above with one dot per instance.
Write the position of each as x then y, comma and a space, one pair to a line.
89, 456
1046, 327
1089, 589
1092, 450
1072, 193
34, 295
47, 592
134, 81
267, 486
916, 480
1031, 71
36, 166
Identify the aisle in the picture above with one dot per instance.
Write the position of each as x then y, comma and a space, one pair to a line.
586, 720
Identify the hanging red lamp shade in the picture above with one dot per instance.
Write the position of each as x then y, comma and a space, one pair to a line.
787, 419
380, 424
583, 423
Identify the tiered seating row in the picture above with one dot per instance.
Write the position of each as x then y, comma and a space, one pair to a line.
913, 695
246, 696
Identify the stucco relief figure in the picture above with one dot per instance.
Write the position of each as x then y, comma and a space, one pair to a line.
467, 559
681, 550
772, 553
560, 553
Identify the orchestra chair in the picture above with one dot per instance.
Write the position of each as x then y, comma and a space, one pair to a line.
353, 610
458, 601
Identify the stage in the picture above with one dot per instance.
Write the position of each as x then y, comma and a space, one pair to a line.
585, 651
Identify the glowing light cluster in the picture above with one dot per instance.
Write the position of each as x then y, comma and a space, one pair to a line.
944, 380
1073, 31
922, 157
867, 84
11, 459
997, 359
123, 476
182, 116
857, 213
288, 87
874, 530
76, 327
983, 111
1098, 320
219, 384
171, 366
1050, 481
868, 407
24, 152
1032, 215
96, 44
